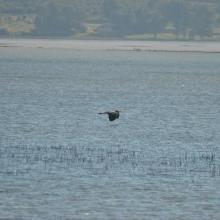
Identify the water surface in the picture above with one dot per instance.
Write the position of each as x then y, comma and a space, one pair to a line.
59, 159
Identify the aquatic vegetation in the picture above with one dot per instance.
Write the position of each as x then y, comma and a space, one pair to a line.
95, 160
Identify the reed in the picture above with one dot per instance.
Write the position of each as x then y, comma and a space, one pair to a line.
113, 159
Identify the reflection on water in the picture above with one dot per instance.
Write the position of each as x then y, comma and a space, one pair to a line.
60, 160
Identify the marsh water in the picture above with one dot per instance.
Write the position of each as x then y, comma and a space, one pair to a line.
59, 159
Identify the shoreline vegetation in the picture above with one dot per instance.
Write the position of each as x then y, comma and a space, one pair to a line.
149, 20
112, 45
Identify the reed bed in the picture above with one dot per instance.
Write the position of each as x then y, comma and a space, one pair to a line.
20, 159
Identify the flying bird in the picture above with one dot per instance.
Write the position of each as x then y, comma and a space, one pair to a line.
111, 115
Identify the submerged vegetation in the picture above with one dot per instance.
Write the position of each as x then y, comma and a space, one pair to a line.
141, 19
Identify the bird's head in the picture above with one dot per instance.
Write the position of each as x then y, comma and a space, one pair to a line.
117, 111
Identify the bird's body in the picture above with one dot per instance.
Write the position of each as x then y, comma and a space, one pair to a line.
111, 115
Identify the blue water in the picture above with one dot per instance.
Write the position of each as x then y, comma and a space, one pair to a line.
59, 159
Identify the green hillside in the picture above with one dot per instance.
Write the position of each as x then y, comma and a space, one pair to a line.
128, 19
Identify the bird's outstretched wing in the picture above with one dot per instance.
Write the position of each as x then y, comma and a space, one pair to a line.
103, 113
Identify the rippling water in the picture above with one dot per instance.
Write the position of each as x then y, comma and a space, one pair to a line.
59, 159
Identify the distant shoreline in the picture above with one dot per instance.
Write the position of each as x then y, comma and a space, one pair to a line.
113, 45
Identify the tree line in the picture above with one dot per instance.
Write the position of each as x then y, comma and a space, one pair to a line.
183, 18
186, 19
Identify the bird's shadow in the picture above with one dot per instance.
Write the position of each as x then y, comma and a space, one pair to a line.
114, 125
